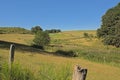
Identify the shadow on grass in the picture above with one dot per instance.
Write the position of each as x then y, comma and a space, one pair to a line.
20, 47
34, 49
0, 58
66, 53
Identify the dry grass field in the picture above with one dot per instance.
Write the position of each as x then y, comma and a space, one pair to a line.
34, 61
68, 40
17, 38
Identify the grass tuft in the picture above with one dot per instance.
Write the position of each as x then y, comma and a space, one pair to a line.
53, 72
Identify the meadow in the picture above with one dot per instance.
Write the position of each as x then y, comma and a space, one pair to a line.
102, 62
90, 48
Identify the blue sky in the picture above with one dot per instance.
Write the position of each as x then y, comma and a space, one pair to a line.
54, 14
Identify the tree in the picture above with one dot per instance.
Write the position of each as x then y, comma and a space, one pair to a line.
41, 38
36, 29
112, 40
54, 31
110, 28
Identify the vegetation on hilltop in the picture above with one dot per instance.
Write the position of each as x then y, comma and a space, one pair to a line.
53, 31
19, 30
110, 28
35, 29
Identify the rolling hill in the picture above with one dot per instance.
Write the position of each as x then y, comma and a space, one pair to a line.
102, 62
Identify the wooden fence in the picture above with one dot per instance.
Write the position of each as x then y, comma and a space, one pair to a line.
78, 72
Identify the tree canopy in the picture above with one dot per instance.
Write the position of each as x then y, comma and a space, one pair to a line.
35, 29
110, 28
54, 31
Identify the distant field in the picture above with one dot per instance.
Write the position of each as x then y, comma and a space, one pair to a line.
88, 49
71, 34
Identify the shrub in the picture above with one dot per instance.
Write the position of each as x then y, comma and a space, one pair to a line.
86, 35
67, 53
41, 39
38, 46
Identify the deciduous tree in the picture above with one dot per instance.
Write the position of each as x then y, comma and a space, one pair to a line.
110, 28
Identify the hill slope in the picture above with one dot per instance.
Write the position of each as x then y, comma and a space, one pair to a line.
37, 61
8, 30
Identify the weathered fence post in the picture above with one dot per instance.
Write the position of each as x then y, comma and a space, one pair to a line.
79, 73
11, 54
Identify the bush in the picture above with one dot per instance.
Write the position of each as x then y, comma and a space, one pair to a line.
37, 46
86, 35
41, 39
67, 53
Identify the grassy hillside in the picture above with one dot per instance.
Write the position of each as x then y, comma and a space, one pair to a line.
8, 30
90, 48
57, 66
17, 38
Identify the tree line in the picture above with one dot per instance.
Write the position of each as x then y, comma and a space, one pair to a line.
19, 30
53, 31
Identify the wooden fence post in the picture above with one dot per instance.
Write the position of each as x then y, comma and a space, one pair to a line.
79, 73
11, 54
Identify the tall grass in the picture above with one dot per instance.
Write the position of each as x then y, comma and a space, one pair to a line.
100, 56
46, 72
107, 56
15, 73
53, 72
